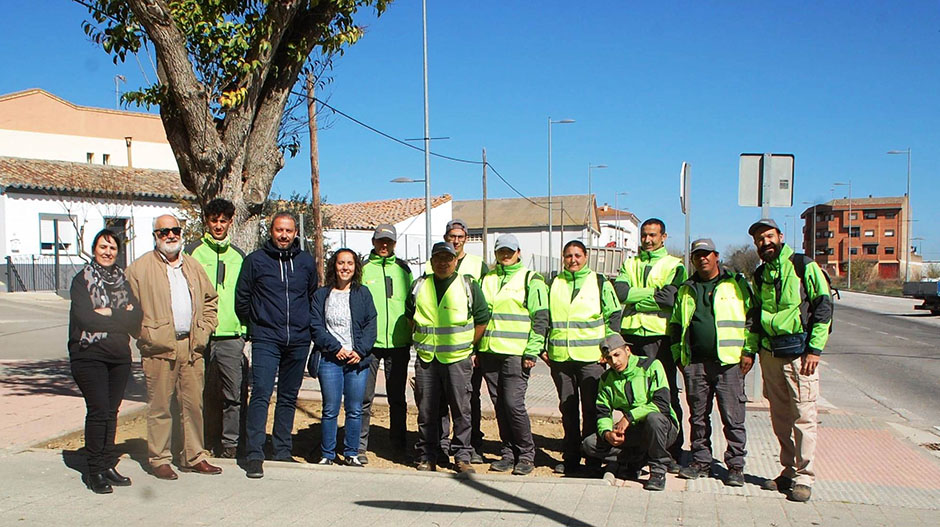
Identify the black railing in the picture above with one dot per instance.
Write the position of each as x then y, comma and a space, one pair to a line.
38, 272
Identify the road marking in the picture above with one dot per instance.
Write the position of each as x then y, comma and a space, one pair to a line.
902, 338
852, 324
884, 332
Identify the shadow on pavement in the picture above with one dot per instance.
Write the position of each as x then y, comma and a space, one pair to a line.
529, 507
54, 377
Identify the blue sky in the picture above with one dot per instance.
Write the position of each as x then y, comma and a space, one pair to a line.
650, 84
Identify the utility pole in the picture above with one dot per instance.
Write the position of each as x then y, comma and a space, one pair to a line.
485, 232
315, 176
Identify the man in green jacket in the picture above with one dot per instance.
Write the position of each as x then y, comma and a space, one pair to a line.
389, 280
634, 386
226, 365
795, 316
646, 286
713, 329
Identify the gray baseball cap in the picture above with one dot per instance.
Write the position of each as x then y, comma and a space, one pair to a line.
507, 241
456, 223
443, 247
761, 225
703, 244
385, 232
612, 342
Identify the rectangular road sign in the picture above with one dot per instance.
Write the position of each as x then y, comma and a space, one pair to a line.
776, 190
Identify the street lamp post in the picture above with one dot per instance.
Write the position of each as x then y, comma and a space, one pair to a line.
427, 138
550, 253
617, 208
427, 210
849, 184
910, 224
590, 192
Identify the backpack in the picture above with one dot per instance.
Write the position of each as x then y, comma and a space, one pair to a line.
799, 261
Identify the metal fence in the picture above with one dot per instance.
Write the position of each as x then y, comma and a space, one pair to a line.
38, 272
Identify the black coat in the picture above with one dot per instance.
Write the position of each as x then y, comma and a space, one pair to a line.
363, 314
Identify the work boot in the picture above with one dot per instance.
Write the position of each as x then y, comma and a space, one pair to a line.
735, 477
657, 481
464, 467
476, 458
695, 470
523, 468
255, 470
502, 465
98, 483
801, 493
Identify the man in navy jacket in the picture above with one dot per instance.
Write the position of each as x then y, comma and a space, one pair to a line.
273, 299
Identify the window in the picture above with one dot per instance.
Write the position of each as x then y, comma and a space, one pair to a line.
889, 250
890, 215
52, 226
853, 216
830, 234
830, 217
821, 234
105, 159
90, 157
869, 233
475, 238
870, 214
830, 251
871, 249
855, 231
889, 232
853, 250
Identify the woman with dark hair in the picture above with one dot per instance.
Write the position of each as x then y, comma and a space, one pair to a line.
103, 314
343, 319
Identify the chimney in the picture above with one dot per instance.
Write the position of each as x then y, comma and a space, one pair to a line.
128, 140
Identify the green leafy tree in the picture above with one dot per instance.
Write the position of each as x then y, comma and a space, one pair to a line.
225, 72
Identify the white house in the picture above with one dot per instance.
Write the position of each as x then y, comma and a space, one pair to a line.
352, 225
619, 228
574, 218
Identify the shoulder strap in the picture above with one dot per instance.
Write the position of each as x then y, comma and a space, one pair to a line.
468, 289
416, 285
403, 264
600, 288
189, 249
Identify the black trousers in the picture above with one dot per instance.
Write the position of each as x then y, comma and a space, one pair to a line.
658, 348
102, 385
396, 376
649, 439
451, 382
507, 381
576, 384
706, 381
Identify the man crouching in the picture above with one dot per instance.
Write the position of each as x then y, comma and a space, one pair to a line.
637, 387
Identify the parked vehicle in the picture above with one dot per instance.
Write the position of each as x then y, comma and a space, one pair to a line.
928, 291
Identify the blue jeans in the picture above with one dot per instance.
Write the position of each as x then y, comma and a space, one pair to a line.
270, 360
339, 382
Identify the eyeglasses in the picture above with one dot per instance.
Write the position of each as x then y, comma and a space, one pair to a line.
163, 233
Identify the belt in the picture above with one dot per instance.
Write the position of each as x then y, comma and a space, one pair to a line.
180, 335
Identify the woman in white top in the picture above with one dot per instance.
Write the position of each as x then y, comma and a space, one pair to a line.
343, 321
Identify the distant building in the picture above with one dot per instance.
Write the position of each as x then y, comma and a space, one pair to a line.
619, 228
352, 225
876, 230
574, 218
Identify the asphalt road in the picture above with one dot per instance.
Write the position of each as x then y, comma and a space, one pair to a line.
891, 354
33, 326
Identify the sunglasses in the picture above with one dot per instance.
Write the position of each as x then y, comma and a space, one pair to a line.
163, 233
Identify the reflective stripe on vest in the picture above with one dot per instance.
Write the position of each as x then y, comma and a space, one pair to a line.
443, 331
508, 329
658, 277
469, 265
730, 314
577, 325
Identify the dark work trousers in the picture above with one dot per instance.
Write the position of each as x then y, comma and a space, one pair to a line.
576, 384
102, 385
507, 381
286, 364
476, 435
650, 438
705, 381
658, 347
224, 398
433, 382
396, 376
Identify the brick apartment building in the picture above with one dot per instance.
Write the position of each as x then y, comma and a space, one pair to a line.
878, 234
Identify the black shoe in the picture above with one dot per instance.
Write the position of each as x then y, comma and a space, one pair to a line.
425, 466
779, 484
735, 477
657, 481
629, 472
567, 468
255, 470
353, 461
325, 461
695, 470
98, 483
443, 461
523, 468
476, 458
287, 459
116, 478
673, 467
501, 465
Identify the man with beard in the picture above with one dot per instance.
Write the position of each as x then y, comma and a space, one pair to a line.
795, 315
273, 299
179, 314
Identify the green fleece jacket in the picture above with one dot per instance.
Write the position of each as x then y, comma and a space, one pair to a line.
389, 280
637, 391
222, 262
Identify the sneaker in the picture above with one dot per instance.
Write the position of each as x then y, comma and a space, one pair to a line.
735, 477
463, 467
228, 452
255, 470
501, 465
363, 459
779, 484
325, 461
657, 481
425, 466
523, 468
801, 493
695, 470
353, 461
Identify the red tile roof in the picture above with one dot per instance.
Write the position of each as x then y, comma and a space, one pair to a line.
369, 214
86, 178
